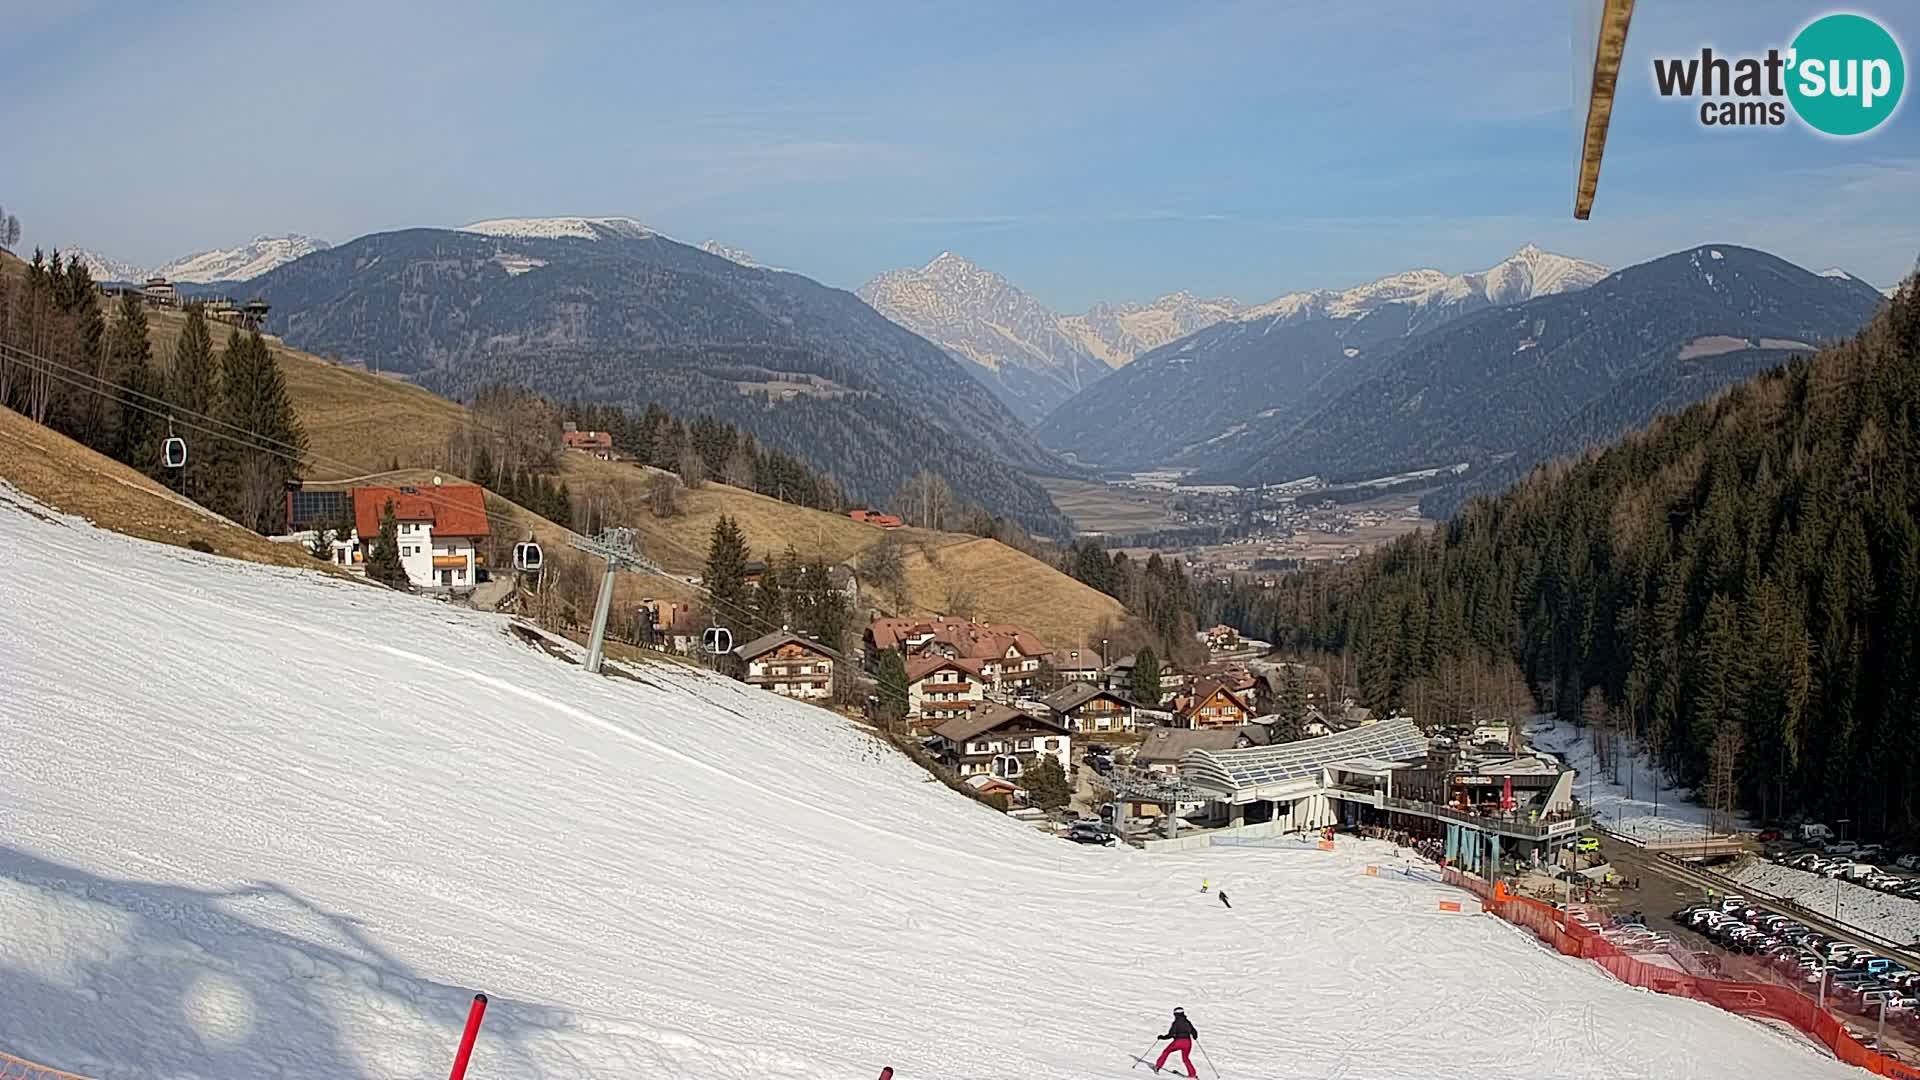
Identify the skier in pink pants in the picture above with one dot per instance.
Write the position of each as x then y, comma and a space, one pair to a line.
1182, 1033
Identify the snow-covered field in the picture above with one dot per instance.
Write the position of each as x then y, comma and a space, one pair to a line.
1627, 806
256, 823
1895, 918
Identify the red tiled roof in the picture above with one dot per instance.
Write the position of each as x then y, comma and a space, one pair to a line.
1204, 689
453, 509
601, 440
974, 641
919, 667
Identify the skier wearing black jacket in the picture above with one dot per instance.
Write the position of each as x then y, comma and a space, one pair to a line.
1182, 1033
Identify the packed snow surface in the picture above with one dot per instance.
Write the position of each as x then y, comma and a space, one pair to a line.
1629, 805
263, 823
1895, 918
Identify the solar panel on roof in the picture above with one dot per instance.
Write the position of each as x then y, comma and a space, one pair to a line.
1393, 740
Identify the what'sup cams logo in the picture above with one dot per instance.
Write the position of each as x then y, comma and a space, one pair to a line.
1842, 76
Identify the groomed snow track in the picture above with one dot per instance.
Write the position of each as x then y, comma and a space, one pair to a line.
254, 822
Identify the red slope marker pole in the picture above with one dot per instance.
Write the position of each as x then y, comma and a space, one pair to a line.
474, 1014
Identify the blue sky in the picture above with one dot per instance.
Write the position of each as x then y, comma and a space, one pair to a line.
1087, 151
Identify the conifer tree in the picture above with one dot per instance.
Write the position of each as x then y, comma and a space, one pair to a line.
130, 364
726, 577
1144, 686
769, 599
1046, 783
383, 562
891, 674
193, 383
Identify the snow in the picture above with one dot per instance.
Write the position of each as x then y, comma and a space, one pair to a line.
553, 228
243, 263
1836, 272
1715, 253
264, 823
1527, 273
1626, 807
1895, 918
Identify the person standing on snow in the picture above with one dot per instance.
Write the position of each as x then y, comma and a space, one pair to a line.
1182, 1032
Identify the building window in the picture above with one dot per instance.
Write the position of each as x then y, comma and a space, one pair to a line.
1024, 744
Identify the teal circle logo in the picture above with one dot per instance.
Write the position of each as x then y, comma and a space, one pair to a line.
1847, 74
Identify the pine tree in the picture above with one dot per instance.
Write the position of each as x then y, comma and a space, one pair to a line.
1144, 684
193, 389
483, 467
254, 401
1292, 705
827, 616
383, 562
891, 674
1046, 783
726, 578
769, 599
130, 364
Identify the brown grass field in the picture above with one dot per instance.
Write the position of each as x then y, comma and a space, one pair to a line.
66, 476
1096, 507
357, 423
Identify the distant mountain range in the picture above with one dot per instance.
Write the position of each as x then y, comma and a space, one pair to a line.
1032, 357
1509, 387
608, 310
243, 263
1206, 399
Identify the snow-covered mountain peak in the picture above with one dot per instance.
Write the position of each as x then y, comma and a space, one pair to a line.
1527, 273
243, 263
554, 228
731, 254
1836, 272
104, 268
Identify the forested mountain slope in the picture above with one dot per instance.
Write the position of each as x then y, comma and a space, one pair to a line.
624, 316
1515, 381
1738, 585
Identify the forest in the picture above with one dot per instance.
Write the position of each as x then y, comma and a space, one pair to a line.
88, 371
1736, 587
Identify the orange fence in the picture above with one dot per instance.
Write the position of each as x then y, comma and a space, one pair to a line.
13, 1068
1745, 998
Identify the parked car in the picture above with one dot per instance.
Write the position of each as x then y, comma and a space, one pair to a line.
1090, 832
1869, 853
1843, 847
1768, 836
1909, 861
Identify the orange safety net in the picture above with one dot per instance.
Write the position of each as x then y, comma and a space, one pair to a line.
13, 1068
1783, 1003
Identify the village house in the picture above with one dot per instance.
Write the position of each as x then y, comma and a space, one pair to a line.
1000, 741
438, 531
1211, 704
788, 665
875, 517
1273, 679
1221, 638
942, 688
1083, 707
1079, 665
592, 443
160, 293
1010, 655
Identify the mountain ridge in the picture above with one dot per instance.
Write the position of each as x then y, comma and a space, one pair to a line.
242, 263
605, 310
1510, 386
1200, 401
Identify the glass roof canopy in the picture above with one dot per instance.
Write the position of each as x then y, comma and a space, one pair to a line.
1253, 766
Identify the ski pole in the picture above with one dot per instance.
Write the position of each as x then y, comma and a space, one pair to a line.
1142, 1056
1203, 1057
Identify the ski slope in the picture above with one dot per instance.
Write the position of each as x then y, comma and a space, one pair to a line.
258, 823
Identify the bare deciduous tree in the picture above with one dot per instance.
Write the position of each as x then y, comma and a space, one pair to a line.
666, 498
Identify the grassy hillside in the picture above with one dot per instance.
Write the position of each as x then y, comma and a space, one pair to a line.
68, 477
359, 423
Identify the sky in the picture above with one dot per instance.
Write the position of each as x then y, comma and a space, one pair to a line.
1087, 151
